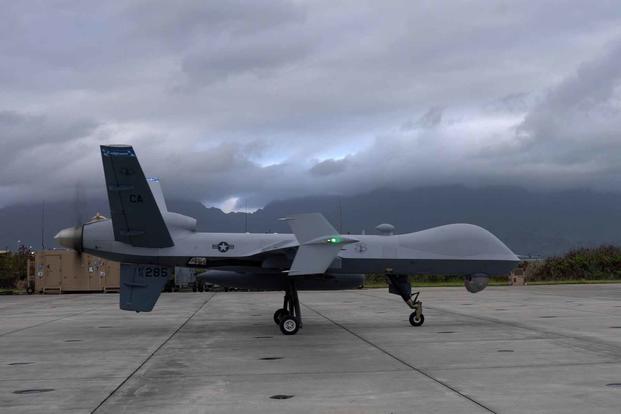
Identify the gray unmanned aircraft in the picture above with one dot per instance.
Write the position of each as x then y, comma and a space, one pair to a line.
149, 240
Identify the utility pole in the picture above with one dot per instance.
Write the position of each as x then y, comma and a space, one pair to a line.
340, 212
43, 226
245, 215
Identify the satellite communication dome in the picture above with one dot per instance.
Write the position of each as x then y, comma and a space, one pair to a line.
386, 229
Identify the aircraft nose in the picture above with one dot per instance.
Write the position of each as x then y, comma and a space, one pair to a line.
70, 238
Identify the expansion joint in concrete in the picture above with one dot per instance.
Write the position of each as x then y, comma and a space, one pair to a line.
396, 358
148, 358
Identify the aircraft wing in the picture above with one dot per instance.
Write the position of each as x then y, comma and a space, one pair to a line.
319, 242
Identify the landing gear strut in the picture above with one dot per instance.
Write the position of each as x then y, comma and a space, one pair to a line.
289, 317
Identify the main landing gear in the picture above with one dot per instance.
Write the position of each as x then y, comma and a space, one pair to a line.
400, 285
289, 317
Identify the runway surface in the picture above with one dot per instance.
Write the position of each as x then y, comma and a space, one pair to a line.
546, 349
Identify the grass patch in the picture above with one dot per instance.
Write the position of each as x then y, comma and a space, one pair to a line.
575, 282
456, 283
378, 284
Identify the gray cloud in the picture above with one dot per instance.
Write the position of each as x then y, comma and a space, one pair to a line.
429, 119
578, 122
240, 99
329, 167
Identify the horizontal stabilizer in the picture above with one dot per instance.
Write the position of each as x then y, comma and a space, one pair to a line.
319, 242
136, 214
158, 195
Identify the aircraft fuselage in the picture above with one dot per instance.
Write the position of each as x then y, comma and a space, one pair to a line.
457, 249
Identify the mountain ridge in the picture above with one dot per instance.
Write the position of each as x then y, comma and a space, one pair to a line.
528, 222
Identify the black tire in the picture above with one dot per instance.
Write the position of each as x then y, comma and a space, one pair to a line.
279, 314
289, 325
416, 322
30, 290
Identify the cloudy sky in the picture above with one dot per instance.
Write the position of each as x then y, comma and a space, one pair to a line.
259, 100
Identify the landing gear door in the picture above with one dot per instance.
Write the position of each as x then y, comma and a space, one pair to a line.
399, 285
141, 286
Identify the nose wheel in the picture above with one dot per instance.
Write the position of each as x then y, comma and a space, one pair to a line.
289, 318
416, 318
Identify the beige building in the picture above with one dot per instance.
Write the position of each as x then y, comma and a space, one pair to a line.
518, 276
58, 271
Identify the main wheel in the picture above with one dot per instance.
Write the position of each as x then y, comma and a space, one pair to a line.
417, 321
289, 325
279, 314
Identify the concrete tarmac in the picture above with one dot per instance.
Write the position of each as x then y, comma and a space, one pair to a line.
544, 349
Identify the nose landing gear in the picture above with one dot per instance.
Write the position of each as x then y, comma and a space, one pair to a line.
289, 317
416, 318
400, 285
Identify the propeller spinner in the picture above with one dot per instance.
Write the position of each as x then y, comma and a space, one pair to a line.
71, 238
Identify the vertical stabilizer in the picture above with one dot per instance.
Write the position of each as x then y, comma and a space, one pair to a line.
136, 214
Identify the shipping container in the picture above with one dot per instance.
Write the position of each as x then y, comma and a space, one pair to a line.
58, 271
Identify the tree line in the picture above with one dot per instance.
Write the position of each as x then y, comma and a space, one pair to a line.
14, 267
600, 263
